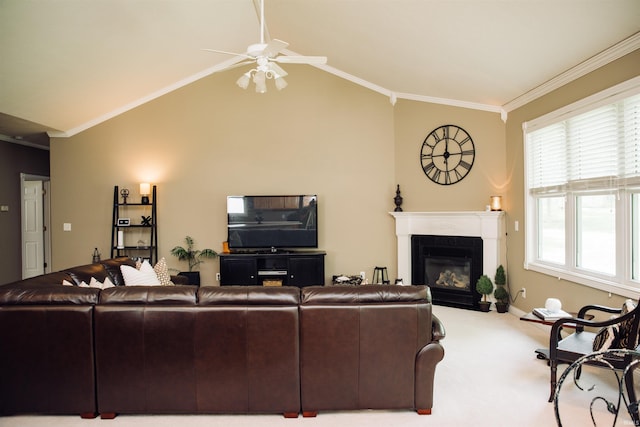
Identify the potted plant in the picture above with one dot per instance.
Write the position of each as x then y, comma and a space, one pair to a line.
501, 294
194, 257
484, 287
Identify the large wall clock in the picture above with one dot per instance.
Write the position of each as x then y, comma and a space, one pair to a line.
447, 154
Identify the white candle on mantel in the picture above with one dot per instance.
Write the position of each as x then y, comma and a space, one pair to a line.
120, 239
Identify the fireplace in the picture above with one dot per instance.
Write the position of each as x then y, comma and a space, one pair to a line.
450, 265
486, 227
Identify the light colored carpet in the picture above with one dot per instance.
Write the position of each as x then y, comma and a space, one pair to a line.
489, 377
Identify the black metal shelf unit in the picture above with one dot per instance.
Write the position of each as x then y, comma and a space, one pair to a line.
147, 232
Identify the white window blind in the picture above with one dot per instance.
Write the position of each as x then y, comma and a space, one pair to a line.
593, 150
631, 132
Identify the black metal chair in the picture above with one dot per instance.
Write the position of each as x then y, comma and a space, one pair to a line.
614, 404
580, 343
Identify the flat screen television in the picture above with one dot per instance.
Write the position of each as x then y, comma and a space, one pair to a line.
266, 222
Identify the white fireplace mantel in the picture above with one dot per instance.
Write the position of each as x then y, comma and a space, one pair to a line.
488, 225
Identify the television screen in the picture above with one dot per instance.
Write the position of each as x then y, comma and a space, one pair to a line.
260, 222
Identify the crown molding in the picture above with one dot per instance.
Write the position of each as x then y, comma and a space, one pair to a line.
140, 101
393, 96
617, 51
451, 102
18, 141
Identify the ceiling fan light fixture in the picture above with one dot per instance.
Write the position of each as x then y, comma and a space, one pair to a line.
259, 78
266, 56
243, 81
281, 83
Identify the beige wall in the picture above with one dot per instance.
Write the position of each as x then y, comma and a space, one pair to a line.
413, 122
320, 135
540, 286
211, 139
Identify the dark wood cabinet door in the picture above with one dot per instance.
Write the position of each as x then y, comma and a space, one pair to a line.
306, 270
238, 271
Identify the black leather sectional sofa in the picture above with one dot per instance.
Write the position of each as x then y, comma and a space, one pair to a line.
232, 349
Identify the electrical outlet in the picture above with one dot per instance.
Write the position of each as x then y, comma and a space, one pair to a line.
218, 277
524, 293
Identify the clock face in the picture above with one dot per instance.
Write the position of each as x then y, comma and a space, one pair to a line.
447, 154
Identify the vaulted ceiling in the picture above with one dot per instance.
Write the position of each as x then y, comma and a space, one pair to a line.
66, 65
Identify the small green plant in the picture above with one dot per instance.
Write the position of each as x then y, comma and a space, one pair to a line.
501, 294
484, 286
500, 278
193, 256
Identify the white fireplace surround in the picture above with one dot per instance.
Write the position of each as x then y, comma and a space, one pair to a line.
488, 225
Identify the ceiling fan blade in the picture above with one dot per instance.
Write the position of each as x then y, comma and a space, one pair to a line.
244, 55
238, 64
274, 47
301, 59
277, 69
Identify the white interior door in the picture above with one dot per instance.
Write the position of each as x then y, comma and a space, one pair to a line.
32, 229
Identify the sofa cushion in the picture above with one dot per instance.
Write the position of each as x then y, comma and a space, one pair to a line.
113, 268
53, 294
84, 273
162, 295
248, 295
364, 294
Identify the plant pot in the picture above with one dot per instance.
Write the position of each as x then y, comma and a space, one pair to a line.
484, 306
502, 307
193, 276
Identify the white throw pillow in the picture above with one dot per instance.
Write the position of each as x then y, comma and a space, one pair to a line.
107, 284
83, 284
96, 284
143, 277
65, 282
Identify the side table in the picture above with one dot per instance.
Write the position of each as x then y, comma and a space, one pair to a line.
543, 353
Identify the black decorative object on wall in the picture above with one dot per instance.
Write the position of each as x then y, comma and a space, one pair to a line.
146, 220
398, 200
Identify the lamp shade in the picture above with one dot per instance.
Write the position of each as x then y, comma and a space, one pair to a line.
496, 203
145, 189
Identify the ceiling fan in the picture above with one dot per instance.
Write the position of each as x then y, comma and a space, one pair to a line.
266, 56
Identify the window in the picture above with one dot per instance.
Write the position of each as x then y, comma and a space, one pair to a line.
583, 191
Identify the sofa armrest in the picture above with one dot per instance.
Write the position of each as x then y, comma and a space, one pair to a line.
426, 360
437, 328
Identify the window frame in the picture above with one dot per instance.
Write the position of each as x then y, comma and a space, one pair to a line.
622, 282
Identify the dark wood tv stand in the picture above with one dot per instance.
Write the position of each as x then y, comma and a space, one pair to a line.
280, 268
